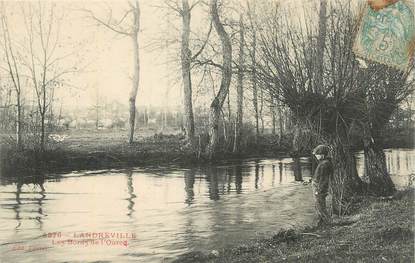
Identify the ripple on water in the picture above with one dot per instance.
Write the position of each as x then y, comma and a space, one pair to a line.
171, 211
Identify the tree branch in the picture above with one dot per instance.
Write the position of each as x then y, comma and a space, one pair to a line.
107, 24
204, 43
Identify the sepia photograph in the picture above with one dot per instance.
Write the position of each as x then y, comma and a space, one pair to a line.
220, 131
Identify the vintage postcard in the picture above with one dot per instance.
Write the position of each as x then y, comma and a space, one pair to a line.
187, 131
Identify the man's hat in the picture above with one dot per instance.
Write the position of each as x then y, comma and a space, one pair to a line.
321, 149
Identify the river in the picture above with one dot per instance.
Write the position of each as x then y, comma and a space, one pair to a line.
154, 215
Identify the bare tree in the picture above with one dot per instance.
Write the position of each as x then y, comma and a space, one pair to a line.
321, 41
253, 71
97, 107
14, 71
327, 114
261, 109
6, 103
226, 70
132, 32
384, 94
240, 88
187, 58
43, 25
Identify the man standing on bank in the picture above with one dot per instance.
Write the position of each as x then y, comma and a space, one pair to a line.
320, 182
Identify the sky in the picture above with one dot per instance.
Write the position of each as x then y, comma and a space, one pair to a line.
110, 66
107, 57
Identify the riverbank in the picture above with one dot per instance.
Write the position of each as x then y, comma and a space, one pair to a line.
379, 230
110, 150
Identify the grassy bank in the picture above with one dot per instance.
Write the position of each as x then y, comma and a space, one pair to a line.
378, 231
108, 149
84, 150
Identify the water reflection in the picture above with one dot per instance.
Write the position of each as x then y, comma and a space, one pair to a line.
229, 174
39, 201
273, 175
393, 161
297, 169
171, 211
213, 183
237, 173
189, 181
399, 163
131, 195
256, 174
28, 201
16, 207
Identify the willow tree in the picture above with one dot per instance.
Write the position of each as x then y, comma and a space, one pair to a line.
383, 96
226, 71
131, 30
329, 111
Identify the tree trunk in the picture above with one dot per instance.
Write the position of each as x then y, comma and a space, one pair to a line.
186, 57
164, 120
133, 92
240, 90
96, 119
42, 111
19, 121
42, 131
261, 110
376, 175
51, 117
252, 49
297, 139
214, 128
345, 182
274, 119
145, 117
217, 103
225, 129
7, 104
254, 87
281, 124
136, 74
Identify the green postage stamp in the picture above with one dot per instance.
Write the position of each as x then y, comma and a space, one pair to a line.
387, 36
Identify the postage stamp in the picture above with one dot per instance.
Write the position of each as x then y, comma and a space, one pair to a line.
387, 35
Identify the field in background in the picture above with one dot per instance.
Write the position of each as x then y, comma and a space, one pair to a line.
92, 140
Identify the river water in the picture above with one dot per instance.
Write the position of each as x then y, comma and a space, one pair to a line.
154, 215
